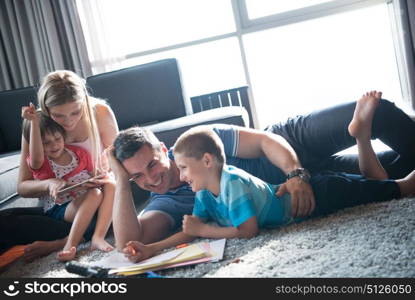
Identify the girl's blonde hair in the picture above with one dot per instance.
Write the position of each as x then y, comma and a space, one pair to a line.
61, 87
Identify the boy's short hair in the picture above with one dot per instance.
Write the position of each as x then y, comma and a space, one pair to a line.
130, 140
197, 141
46, 125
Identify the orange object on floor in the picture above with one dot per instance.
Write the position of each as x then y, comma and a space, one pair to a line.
11, 255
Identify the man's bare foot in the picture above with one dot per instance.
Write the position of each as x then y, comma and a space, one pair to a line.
67, 255
361, 125
407, 185
42, 248
101, 244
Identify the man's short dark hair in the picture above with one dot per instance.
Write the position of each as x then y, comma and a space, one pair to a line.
130, 140
46, 124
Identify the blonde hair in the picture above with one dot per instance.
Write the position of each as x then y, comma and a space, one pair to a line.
199, 140
61, 87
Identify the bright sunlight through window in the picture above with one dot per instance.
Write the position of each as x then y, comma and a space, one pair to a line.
309, 65
258, 9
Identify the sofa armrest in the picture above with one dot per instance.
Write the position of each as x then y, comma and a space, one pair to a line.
233, 97
170, 130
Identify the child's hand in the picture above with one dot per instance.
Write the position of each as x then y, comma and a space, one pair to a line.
29, 112
136, 251
55, 184
192, 225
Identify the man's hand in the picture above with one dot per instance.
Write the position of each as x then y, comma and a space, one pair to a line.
115, 165
302, 196
136, 251
192, 225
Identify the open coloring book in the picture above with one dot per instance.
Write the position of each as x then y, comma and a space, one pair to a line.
191, 254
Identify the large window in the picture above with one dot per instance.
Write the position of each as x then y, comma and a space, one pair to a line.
296, 55
136, 26
321, 62
206, 67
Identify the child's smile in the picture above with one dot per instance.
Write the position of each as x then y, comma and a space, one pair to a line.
53, 145
192, 171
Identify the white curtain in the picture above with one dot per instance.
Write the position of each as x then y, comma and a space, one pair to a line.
403, 13
102, 53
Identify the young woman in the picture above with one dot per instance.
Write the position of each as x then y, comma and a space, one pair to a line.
89, 123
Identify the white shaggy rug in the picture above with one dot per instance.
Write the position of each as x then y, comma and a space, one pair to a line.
374, 240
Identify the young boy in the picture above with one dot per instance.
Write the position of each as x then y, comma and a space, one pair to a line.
51, 159
241, 203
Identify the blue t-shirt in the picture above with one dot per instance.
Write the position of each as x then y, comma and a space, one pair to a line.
241, 197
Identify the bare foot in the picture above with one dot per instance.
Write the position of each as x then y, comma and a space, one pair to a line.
361, 125
407, 185
42, 248
66, 255
101, 244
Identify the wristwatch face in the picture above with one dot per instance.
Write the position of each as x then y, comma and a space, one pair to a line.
301, 172
304, 177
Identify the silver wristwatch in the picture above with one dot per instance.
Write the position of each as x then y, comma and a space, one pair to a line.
300, 172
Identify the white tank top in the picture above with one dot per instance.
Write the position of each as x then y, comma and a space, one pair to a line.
87, 145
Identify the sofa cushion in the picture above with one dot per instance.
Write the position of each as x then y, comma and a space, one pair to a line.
143, 94
10, 116
2, 143
9, 172
9, 168
169, 131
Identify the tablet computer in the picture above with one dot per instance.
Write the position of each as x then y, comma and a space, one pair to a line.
73, 186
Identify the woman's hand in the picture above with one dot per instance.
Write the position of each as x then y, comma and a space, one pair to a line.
93, 182
99, 180
136, 251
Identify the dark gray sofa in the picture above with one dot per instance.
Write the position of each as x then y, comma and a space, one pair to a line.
10, 139
148, 95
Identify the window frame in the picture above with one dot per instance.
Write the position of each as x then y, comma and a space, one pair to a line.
298, 15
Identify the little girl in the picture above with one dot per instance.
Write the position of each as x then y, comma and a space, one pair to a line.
49, 158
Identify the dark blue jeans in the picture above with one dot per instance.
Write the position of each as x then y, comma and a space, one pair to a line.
318, 136
25, 225
334, 191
